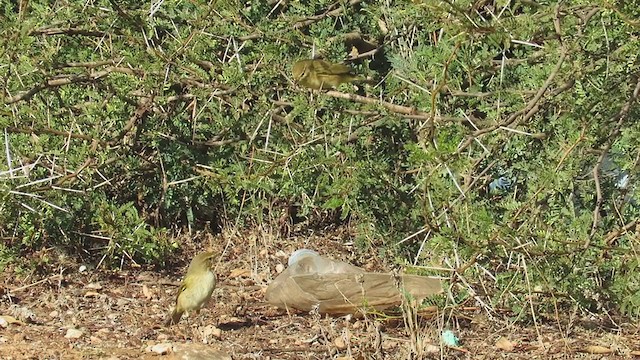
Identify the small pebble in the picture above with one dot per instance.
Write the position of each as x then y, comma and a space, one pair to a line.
73, 334
162, 349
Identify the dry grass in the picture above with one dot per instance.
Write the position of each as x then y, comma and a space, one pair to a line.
120, 314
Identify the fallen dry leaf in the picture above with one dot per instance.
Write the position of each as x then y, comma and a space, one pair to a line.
596, 349
340, 343
431, 349
383, 26
90, 294
146, 292
235, 273
11, 320
504, 344
93, 286
354, 52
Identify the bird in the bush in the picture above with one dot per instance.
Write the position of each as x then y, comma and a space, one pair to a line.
196, 288
320, 74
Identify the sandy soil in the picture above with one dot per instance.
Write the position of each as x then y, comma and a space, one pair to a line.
118, 314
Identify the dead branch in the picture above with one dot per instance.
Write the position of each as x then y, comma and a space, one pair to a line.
331, 11
39, 131
71, 79
250, 37
67, 31
90, 64
581, 138
143, 108
75, 174
614, 234
366, 54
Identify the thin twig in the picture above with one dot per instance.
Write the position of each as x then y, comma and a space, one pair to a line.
67, 31
39, 131
53, 277
617, 232
89, 64
366, 100
71, 79
141, 111
331, 11
566, 153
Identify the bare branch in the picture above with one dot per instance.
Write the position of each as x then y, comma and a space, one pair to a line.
526, 113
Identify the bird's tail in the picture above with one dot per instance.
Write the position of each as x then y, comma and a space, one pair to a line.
174, 318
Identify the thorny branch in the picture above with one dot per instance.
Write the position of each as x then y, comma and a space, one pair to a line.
331, 11
143, 108
41, 130
67, 31
613, 135
71, 79
526, 113
612, 235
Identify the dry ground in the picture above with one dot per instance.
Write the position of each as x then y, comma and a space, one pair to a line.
119, 315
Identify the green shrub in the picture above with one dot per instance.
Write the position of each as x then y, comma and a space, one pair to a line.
122, 126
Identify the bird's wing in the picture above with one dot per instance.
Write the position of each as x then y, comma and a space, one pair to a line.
333, 69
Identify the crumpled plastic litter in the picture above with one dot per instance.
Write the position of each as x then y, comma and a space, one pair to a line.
313, 282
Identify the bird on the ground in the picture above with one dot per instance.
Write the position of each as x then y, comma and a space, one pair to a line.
196, 288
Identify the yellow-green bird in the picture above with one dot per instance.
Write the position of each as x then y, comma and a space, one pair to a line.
196, 288
320, 74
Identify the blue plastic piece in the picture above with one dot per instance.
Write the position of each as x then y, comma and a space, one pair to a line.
449, 338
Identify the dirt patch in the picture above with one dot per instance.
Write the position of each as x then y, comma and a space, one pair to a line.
119, 315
